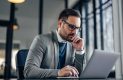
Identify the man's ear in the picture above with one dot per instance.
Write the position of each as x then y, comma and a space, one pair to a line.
60, 23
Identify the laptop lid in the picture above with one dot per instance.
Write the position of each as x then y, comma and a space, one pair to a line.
100, 64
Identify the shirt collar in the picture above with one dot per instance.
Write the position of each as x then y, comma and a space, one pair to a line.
60, 39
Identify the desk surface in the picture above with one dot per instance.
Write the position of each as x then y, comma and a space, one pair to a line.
62, 79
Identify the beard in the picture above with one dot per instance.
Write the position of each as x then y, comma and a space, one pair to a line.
68, 37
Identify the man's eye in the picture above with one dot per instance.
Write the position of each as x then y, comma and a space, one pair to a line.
72, 26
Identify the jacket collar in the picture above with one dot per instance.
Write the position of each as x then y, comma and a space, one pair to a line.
54, 36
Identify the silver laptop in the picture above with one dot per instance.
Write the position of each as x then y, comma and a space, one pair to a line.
100, 64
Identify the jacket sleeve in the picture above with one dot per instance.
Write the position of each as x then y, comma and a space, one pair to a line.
34, 59
78, 62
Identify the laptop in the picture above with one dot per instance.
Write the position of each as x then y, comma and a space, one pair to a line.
100, 65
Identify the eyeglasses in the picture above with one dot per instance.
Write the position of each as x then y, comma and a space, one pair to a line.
71, 26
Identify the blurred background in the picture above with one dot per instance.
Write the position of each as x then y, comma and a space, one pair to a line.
21, 22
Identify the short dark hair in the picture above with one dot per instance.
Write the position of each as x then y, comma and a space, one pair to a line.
69, 12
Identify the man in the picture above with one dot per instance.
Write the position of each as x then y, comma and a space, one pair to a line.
59, 53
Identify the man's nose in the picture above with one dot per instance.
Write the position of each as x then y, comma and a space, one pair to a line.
74, 31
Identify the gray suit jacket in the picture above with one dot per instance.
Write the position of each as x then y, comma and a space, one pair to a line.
43, 57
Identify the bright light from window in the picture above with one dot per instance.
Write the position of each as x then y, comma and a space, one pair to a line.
14, 52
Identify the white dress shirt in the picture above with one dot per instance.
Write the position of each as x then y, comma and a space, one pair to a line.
60, 39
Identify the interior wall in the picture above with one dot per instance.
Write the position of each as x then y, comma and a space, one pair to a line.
50, 14
27, 15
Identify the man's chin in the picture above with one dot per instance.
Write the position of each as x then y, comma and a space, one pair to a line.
69, 40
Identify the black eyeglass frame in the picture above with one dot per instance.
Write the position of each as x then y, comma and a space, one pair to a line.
71, 26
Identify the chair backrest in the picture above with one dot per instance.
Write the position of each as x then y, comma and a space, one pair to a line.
20, 62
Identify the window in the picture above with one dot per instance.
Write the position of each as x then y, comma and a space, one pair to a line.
16, 46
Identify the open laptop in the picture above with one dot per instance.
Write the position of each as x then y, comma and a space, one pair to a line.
99, 65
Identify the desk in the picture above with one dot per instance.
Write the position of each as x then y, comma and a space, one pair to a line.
82, 79
62, 79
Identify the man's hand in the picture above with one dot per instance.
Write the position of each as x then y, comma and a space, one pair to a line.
68, 71
78, 43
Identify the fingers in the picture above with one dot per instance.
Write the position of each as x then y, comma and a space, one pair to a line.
77, 43
76, 39
74, 71
68, 71
72, 68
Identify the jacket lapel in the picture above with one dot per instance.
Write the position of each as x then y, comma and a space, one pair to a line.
56, 49
69, 54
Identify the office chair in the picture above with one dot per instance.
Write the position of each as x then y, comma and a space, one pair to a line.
20, 62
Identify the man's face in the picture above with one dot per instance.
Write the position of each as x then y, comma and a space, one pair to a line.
69, 28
